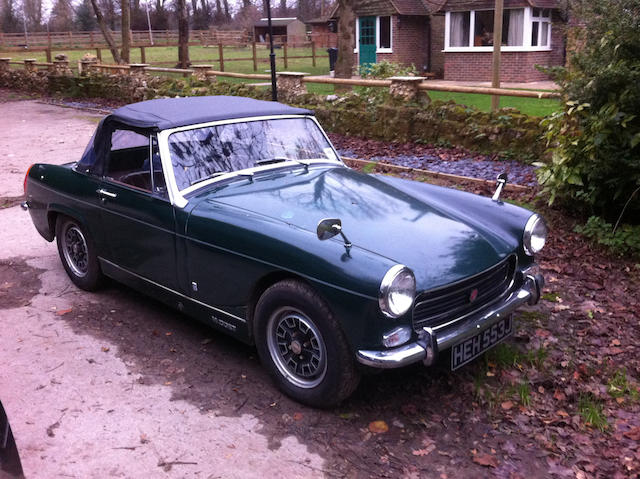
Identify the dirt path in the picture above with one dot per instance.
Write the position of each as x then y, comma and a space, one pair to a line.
33, 132
112, 384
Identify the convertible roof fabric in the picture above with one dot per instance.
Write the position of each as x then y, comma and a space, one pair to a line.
173, 112
165, 113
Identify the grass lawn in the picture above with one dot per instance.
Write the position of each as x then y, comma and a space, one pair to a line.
167, 56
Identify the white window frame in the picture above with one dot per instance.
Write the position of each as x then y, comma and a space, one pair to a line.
357, 48
378, 48
526, 41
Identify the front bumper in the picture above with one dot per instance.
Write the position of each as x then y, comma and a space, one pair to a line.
429, 342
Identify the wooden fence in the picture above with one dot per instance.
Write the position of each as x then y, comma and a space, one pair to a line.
206, 71
218, 55
40, 41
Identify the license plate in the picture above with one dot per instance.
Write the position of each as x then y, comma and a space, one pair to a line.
471, 348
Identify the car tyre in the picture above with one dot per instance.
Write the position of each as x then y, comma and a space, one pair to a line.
303, 346
78, 254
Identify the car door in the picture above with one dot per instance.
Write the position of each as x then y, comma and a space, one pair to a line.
138, 218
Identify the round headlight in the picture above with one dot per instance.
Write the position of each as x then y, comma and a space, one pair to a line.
535, 235
397, 290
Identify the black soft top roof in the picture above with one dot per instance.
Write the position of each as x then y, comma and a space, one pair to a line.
165, 113
173, 112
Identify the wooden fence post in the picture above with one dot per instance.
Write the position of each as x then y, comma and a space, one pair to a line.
99, 54
143, 55
91, 39
255, 58
284, 52
49, 42
47, 52
313, 53
221, 56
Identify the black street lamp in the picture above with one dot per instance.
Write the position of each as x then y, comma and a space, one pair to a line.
272, 56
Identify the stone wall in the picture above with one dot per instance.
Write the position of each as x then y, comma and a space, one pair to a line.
399, 115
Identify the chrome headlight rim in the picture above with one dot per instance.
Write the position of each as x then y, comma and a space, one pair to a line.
534, 221
386, 286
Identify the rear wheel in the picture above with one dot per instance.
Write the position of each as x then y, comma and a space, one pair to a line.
77, 253
303, 346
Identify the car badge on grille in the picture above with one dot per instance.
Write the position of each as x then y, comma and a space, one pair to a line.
473, 295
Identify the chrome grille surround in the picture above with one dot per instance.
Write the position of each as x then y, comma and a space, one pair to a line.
440, 307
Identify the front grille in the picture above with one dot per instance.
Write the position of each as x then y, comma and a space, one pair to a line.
442, 305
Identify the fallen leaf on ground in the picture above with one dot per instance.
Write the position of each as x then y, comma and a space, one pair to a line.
62, 312
506, 405
486, 460
378, 427
297, 416
633, 434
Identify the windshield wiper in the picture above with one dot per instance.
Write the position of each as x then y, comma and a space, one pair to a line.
280, 159
205, 178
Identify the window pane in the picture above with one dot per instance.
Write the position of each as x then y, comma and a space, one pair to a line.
483, 32
385, 32
459, 33
202, 152
129, 159
536, 12
534, 33
513, 30
544, 33
545, 12
121, 139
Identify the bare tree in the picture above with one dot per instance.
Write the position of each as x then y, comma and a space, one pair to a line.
106, 33
33, 13
183, 34
227, 15
61, 19
125, 9
344, 64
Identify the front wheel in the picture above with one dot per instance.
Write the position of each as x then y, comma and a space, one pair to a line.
78, 254
302, 345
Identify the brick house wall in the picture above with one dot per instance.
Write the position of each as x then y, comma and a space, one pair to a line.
410, 42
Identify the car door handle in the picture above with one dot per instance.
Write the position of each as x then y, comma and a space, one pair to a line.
102, 192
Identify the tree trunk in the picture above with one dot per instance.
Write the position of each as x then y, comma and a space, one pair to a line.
346, 22
106, 33
227, 15
183, 34
125, 8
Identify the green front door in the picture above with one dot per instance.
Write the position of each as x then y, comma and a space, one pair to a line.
367, 40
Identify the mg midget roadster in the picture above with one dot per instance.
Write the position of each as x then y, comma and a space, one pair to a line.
240, 213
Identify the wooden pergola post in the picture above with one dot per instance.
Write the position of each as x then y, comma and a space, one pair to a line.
497, 43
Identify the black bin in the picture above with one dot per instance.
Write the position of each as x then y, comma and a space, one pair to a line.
333, 58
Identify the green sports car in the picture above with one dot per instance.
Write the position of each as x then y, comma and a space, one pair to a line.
240, 213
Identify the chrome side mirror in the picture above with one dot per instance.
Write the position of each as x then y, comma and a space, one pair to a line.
330, 227
502, 181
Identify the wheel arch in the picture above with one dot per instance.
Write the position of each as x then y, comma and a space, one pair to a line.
264, 283
55, 211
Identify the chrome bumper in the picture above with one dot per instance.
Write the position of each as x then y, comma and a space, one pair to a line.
429, 342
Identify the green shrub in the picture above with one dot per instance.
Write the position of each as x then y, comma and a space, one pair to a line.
624, 241
385, 69
595, 141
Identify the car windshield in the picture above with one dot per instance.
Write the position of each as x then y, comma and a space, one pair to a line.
202, 153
